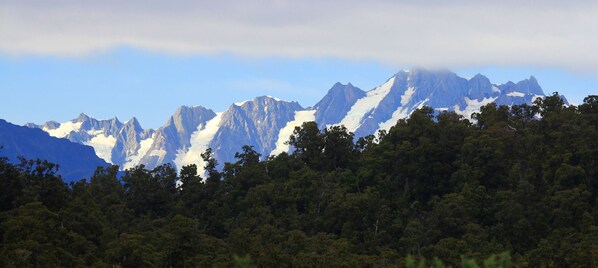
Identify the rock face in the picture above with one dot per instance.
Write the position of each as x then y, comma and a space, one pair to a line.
76, 161
254, 123
523, 92
265, 122
335, 105
174, 136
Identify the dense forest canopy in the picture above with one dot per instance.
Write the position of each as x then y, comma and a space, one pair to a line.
521, 179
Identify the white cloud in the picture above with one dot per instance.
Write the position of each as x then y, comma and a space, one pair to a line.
406, 33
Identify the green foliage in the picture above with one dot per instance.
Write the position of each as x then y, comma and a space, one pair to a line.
502, 260
433, 191
10, 185
150, 192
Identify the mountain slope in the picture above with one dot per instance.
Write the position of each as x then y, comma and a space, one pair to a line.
100, 134
174, 136
335, 105
256, 123
76, 161
407, 91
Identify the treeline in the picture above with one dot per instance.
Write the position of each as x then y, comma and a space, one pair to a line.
521, 180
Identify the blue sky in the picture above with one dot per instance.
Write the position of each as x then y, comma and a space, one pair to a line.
150, 86
146, 58
127, 82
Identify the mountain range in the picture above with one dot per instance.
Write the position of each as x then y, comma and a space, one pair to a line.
267, 122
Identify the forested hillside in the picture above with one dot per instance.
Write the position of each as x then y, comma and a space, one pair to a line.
522, 179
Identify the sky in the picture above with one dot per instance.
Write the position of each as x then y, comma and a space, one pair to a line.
146, 58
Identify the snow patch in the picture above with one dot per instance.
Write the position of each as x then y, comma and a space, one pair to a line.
144, 147
401, 113
159, 153
287, 130
64, 129
103, 146
443, 109
275, 98
355, 116
278, 99
473, 106
95, 132
515, 94
241, 103
405, 98
495, 89
200, 141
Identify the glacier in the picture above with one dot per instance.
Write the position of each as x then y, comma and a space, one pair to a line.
200, 140
283, 136
365, 105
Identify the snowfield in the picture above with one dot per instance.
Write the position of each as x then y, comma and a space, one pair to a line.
103, 146
200, 141
356, 114
287, 131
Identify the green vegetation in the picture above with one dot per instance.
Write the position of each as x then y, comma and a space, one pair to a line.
431, 188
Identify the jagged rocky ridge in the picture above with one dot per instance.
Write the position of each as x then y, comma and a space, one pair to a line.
266, 122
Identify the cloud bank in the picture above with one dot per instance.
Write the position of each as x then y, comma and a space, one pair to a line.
465, 33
